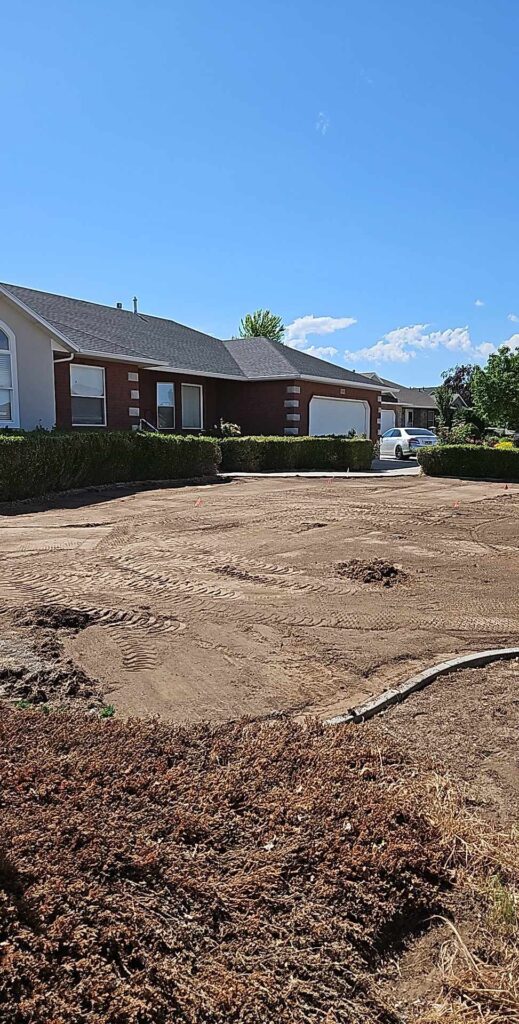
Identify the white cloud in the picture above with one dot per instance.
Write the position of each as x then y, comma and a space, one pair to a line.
484, 350
322, 351
402, 345
479, 302
323, 123
513, 317
303, 327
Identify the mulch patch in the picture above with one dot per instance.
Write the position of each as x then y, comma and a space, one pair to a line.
376, 571
55, 616
55, 685
252, 872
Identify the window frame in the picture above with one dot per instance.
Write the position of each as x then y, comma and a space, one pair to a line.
171, 384
14, 421
201, 390
88, 366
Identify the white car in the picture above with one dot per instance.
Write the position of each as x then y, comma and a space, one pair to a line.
401, 442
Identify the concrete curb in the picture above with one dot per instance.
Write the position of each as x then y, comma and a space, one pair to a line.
385, 700
330, 474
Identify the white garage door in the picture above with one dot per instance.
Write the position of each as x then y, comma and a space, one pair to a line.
338, 416
387, 420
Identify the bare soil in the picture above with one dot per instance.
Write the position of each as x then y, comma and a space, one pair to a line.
214, 603
467, 725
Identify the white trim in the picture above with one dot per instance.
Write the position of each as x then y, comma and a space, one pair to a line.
343, 383
15, 400
174, 406
201, 390
85, 366
252, 380
118, 358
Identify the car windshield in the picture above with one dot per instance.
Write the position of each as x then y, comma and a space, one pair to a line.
418, 432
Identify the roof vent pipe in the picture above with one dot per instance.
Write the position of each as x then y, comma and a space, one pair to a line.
135, 310
119, 305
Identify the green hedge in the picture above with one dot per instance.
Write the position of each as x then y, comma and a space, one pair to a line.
263, 454
37, 464
468, 460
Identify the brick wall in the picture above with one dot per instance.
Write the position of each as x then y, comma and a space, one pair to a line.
259, 407
118, 390
210, 390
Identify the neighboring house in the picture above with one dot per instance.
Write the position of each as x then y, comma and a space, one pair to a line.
404, 407
78, 364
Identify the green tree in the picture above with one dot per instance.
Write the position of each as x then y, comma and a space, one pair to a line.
444, 401
495, 389
262, 324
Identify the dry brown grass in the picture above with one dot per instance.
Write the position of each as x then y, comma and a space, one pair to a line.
480, 975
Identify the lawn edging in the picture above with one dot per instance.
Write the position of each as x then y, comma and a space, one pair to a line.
470, 461
385, 700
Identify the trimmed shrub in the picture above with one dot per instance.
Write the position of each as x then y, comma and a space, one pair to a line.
38, 463
476, 461
268, 454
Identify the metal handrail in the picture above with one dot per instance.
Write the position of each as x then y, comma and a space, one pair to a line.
145, 424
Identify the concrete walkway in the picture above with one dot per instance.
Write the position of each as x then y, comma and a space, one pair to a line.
379, 468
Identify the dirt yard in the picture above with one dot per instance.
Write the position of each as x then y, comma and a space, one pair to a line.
247, 598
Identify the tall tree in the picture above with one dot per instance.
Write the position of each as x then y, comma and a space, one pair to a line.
444, 402
262, 324
495, 389
459, 380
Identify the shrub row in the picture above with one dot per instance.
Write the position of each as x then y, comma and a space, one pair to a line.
474, 461
37, 464
40, 463
255, 454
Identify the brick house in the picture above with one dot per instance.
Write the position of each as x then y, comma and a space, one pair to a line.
77, 364
404, 407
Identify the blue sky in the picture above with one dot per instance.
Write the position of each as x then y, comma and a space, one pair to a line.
353, 166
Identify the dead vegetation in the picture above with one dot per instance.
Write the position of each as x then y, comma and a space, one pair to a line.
375, 571
153, 873
55, 686
479, 972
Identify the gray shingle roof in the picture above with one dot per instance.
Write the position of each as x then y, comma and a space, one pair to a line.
260, 357
119, 332
96, 328
417, 397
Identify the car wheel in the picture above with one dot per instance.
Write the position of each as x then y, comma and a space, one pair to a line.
398, 452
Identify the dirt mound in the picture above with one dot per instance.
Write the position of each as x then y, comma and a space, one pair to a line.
376, 571
158, 873
55, 616
57, 686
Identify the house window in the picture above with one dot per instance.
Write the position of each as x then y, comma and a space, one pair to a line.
192, 406
165, 405
6, 380
88, 396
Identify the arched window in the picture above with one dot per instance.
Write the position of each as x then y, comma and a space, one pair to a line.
7, 396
